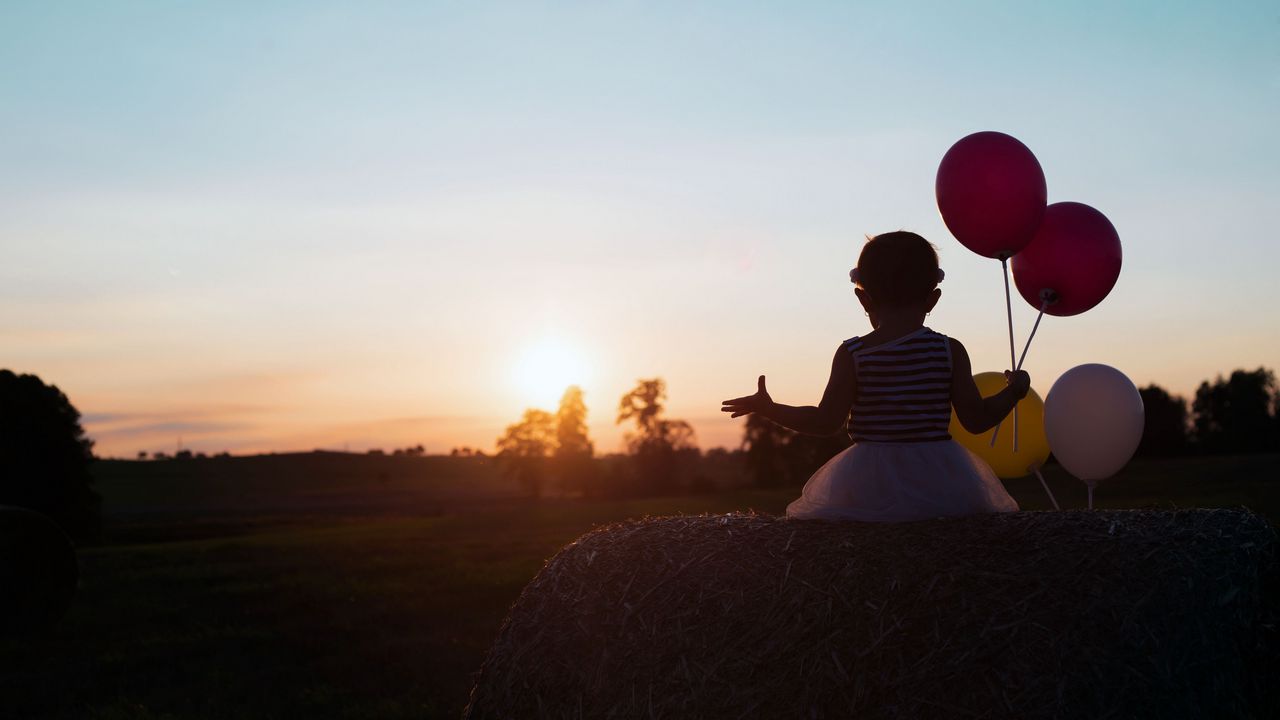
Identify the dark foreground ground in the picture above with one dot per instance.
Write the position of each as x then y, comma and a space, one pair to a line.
384, 611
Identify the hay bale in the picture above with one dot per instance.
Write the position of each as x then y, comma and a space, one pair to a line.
1029, 615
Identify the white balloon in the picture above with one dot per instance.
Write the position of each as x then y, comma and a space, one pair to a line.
1093, 418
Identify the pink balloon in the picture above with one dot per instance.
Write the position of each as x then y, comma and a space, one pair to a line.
991, 193
1093, 418
1075, 258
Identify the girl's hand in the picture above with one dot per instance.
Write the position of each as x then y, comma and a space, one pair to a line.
1019, 381
760, 402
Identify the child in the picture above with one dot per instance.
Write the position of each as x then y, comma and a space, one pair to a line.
894, 389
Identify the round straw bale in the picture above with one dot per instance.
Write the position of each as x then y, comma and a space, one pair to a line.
1137, 613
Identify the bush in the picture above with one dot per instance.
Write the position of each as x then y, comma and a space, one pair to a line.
45, 456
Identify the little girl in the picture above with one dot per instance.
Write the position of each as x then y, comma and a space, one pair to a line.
893, 389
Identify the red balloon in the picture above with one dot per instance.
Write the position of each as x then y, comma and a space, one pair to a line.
1073, 260
991, 193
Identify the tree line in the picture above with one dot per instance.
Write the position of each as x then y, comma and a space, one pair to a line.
546, 449
45, 454
1236, 414
1239, 413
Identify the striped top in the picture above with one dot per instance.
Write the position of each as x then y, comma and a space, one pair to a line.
903, 389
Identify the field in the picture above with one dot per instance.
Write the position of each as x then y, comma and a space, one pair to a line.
288, 590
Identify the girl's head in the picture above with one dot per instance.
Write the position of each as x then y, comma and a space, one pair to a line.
898, 271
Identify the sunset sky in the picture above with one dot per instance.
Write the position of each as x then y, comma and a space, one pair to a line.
285, 226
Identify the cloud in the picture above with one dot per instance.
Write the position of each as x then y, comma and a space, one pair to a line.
105, 418
170, 428
108, 429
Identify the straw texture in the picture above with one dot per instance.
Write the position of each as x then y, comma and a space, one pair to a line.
1137, 613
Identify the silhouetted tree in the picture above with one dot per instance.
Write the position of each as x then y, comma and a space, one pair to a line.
1237, 414
1275, 417
1165, 430
723, 468
573, 453
777, 456
765, 443
806, 453
45, 456
142, 454
525, 448
659, 446
411, 451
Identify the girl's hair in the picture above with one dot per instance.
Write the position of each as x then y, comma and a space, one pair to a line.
898, 268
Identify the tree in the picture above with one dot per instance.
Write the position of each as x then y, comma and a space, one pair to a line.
1275, 417
1237, 414
411, 451
776, 455
45, 456
658, 445
765, 443
574, 450
806, 453
525, 448
1165, 430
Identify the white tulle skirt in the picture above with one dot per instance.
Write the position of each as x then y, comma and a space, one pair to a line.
895, 482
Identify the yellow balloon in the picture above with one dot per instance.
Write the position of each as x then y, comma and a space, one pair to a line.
1033, 444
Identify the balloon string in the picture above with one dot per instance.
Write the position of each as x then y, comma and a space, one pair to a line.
1008, 308
1044, 304
1032, 336
1047, 491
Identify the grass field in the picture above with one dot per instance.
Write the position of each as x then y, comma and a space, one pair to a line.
380, 612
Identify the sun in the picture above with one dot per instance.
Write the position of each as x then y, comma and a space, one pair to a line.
545, 369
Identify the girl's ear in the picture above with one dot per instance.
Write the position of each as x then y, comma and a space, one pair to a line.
934, 297
863, 298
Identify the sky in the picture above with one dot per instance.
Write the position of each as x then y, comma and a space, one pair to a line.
271, 226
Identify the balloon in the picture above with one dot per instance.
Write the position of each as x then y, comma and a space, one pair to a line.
991, 193
38, 571
1033, 446
1075, 256
1093, 417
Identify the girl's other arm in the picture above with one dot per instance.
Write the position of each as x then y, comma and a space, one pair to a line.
825, 419
976, 413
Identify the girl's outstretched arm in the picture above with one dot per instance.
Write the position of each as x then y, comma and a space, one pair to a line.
976, 413
826, 419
